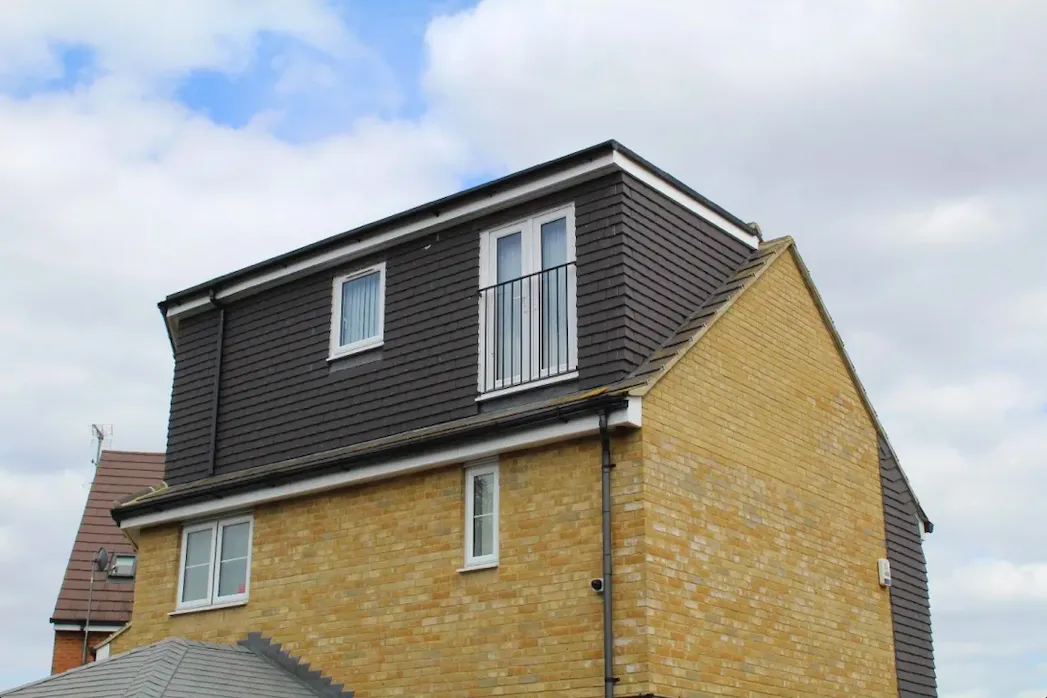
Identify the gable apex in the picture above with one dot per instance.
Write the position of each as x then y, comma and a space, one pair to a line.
697, 326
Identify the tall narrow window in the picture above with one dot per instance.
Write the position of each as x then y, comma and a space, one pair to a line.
481, 515
196, 575
357, 321
509, 329
528, 325
553, 334
215, 563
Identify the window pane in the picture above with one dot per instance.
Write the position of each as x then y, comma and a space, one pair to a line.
360, 308
194, 586
198, 548
197, 566
509, 332
554, 243
510, 260
232, 577
234, 541
483, 494
483, 535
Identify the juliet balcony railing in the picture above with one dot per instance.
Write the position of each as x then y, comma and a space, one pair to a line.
528, 329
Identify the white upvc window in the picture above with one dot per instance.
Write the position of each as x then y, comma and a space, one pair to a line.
358, 311
215, 567
481, 515
528, 302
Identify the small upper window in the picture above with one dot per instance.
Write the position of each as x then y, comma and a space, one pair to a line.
357, 316
481, 515
216, 563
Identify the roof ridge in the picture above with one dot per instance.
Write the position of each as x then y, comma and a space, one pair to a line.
133, 453
183, 653
651, 370
85, 667
312, 679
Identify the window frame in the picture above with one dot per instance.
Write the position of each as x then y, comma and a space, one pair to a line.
337, 349
471, 472
216, 528
112, 574
530, 230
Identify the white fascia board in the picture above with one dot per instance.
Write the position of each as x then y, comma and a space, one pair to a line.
354, 249
659, 184
581, 426
95, 627
359, 248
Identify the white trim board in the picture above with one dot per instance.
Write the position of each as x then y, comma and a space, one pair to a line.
585, 425
354, 249
667, 188
358, 248
94, 627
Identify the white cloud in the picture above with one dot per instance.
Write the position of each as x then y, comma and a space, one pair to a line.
900, 143
976, 400
995, 582
144, 40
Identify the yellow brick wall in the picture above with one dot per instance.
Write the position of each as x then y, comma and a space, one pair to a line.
763, 511
362, 582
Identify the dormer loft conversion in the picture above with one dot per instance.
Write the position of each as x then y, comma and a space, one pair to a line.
554, 281
526, 292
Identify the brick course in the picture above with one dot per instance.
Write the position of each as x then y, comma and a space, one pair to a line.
69, 647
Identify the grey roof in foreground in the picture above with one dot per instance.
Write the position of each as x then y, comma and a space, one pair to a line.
176, 668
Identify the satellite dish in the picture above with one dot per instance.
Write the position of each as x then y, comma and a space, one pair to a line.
102, 559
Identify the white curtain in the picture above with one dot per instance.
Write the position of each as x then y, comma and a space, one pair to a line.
360, 308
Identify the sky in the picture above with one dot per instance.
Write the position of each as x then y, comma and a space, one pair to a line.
145, 147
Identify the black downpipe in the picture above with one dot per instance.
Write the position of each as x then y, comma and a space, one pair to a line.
216, 393
609, 679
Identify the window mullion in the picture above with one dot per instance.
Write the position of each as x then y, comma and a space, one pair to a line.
212, 582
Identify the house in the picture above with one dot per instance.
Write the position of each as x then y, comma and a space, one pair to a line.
117, 475
176, 668
578, 431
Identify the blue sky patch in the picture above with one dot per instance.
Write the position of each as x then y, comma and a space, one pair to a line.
77, 67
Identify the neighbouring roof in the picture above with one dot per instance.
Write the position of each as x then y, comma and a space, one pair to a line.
118, 475
176, 668
637, 383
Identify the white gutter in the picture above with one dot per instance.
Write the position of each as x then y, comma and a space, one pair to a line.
586, 425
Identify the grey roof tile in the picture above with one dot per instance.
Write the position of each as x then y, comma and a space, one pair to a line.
176, 668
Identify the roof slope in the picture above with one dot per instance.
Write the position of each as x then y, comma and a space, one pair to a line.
176, 668
119, 474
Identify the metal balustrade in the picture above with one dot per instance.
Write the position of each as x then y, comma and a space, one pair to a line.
526, 329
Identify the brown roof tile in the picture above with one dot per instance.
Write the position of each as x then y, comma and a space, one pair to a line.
119, 474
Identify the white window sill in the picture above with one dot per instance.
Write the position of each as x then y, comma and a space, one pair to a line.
478, 567
355, 349
562, 378
212, 607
